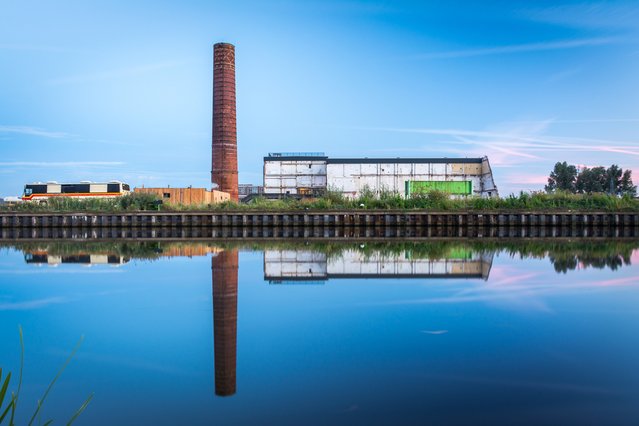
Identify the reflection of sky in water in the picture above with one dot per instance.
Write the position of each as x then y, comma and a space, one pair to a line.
526, 345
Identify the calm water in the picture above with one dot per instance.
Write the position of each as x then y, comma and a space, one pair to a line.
447, 332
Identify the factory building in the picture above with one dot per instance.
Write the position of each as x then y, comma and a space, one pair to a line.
310, 174
290, 265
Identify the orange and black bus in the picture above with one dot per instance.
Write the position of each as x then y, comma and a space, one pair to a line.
43, 191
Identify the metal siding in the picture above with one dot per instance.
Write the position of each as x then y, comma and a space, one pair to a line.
453, 187
100, 187
54, 188
404, 169
272, 168
352, 176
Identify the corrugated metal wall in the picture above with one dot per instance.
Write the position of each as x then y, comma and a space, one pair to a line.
293, 176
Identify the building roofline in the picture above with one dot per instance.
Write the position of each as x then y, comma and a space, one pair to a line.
402, 160
395, 160
295, 158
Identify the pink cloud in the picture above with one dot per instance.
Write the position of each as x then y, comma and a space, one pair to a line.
618, 281
528, 179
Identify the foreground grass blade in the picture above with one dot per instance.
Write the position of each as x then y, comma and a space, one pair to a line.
55, 379
3, 390
6, 411
3, 393
80, 410
14, 396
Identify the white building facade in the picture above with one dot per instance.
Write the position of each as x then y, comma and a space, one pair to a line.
308, 265
311, 174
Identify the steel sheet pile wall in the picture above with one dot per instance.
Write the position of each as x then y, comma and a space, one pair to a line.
224, 171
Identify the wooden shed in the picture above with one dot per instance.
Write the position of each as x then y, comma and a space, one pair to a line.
188, 196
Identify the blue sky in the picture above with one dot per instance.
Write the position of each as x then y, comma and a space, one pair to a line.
122, 90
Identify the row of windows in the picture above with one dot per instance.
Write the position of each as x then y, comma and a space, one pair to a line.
73, 188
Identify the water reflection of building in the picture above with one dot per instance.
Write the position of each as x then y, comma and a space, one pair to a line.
224, 267
309, 265
77, 258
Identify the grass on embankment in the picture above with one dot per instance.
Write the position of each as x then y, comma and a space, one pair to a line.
435, 200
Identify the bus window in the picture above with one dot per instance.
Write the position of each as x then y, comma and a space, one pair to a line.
126, 187
36, 189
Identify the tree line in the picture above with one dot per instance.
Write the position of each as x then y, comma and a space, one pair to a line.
613, 180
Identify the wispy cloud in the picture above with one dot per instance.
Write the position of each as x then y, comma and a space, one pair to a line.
580, 121
563, 75
32, 304
509, 288
521, 48
60, 163
33, 131
40, 132
38, 48
116, 73
589, 15
562, 387
514, 143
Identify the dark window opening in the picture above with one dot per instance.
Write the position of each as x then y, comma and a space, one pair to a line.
113, 187
76, 188
166, 195
35, 189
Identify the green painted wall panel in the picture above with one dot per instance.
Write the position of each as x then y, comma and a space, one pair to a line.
464, 187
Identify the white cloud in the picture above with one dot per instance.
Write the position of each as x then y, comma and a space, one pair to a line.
116, 73
33, 131
38, 48
522, 48
513, 143
590, 15
32, 304
60, 163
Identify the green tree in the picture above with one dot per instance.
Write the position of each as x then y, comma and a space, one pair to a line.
625, 186
613, 180
592, 180
562, 178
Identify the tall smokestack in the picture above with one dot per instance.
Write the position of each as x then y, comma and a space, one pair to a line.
224, 276
224, 171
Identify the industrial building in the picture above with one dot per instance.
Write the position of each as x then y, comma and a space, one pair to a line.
248, 189
290, 265
311, 174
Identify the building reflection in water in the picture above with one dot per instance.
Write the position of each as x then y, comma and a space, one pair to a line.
301, 263
224, 267
291, 265
42, 257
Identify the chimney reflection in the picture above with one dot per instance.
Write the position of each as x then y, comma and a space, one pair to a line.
224, 267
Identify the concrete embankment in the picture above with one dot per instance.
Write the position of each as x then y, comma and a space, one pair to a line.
352, 218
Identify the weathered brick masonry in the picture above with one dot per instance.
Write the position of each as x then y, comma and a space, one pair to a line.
224, 269
224, 161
